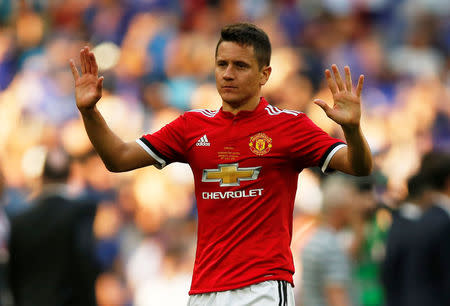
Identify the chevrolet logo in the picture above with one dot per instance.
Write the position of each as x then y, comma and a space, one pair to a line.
230, 174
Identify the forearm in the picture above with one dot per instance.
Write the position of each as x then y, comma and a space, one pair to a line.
107, 144
358, 152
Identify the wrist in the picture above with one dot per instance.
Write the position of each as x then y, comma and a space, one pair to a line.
87, 111
351, 129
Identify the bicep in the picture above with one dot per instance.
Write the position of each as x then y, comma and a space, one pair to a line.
340, 161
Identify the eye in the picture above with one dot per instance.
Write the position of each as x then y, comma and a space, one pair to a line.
221, 64
241, 65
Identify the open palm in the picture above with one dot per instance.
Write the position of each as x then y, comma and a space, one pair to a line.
346, 110
88, 86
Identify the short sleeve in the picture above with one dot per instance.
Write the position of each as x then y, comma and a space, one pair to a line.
310, 145
166, 145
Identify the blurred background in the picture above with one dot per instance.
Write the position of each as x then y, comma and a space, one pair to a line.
157, 57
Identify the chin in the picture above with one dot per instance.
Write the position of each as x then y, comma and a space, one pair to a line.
232, 99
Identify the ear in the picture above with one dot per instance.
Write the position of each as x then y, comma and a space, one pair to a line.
265, 74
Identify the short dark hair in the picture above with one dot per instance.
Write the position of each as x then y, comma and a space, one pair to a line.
247, 34
56, 166
417, 184
435, 168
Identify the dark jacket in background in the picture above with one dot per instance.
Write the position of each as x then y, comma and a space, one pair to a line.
427, 276
398, 250
52, 249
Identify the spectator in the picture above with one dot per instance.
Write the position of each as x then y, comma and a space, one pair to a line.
427, 278
399, 242
369, 225
326, 272
51, 247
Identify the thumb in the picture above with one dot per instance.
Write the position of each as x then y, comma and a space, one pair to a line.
323, 105
100, 83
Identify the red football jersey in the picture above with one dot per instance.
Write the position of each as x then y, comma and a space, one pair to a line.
245, 169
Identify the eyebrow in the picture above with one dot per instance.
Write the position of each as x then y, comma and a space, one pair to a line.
234, 61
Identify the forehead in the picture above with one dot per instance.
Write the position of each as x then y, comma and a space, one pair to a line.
232, 51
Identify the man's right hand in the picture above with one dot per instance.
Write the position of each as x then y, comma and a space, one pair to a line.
88, 86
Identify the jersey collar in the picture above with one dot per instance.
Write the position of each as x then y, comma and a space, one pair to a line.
244, 113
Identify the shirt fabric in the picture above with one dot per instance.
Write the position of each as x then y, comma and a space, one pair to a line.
399, 242
245, 169
324, 263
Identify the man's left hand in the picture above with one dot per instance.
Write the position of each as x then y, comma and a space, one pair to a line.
346, 110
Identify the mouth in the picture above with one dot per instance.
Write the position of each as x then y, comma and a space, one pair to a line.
229, 87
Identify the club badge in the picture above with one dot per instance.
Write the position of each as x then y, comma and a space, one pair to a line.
260, 144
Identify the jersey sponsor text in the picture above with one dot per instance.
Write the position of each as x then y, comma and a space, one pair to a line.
217, 195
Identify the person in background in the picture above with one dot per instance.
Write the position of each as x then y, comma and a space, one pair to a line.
52, 250
370, 221
427, 277
326, 275
398, 243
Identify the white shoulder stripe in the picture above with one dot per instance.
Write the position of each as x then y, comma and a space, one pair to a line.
205, 112
270, 110
295, 113
273, 110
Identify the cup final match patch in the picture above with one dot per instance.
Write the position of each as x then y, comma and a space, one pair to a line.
260, 144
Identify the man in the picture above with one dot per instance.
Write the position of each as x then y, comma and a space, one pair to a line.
245, 158
399, 241
326, 275
427, 270
367, 243
52, 252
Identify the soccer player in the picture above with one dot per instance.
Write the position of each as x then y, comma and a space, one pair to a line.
245, 159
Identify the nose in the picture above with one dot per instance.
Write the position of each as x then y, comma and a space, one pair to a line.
228, 73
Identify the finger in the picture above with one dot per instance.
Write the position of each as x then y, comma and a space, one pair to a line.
94, 66
331, 82
337, 76
88, 60
348, 78
100, 83
360, 85
323, 105
82, 61
74, 69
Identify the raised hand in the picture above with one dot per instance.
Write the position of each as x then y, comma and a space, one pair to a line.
346, 110
88, 86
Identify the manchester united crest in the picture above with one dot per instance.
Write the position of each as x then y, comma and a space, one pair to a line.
260, 144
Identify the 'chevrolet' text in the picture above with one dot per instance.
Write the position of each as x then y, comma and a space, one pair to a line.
232, 194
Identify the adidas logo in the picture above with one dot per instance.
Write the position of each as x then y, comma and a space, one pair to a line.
203, 142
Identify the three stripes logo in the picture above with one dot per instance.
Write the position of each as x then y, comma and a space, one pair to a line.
203, 142
273, 110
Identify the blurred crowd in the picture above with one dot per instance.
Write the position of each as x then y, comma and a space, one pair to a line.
157, 57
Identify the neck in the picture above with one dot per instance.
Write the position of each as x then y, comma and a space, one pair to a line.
331, 222
235, 108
